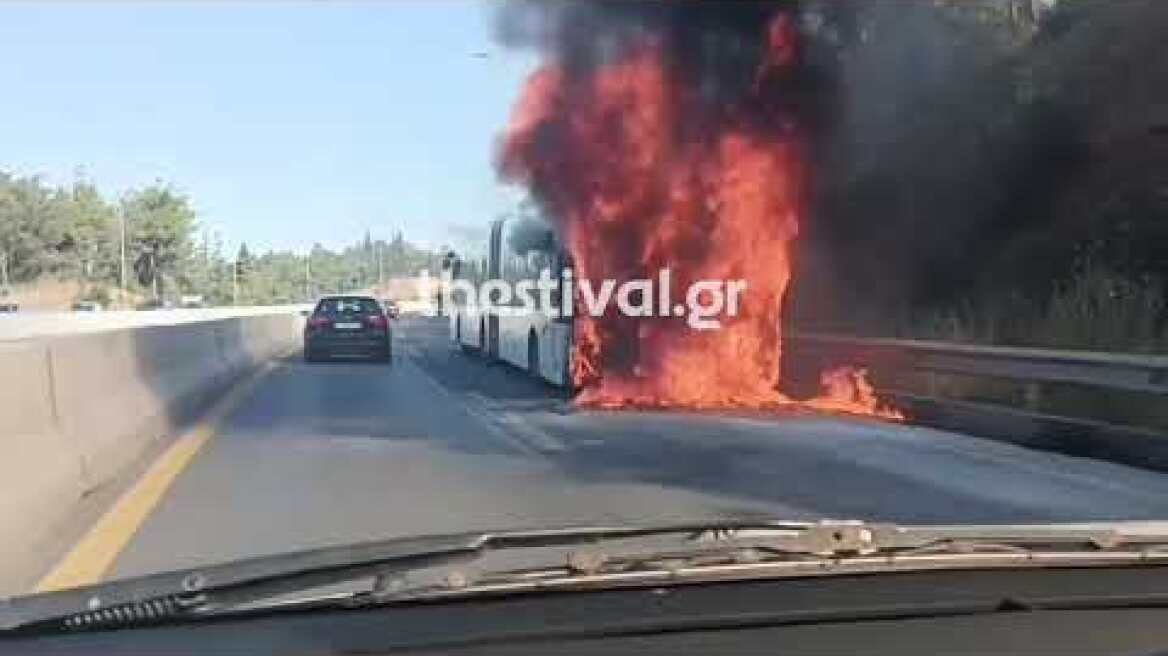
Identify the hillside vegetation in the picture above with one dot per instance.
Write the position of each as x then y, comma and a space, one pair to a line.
62, 244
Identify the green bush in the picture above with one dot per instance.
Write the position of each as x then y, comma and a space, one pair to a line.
98, 294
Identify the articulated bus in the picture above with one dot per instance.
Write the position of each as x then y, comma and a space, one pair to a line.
537, 339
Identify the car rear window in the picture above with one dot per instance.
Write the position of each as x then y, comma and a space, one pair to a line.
333, 306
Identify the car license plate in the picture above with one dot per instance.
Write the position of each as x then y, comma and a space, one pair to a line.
347, 325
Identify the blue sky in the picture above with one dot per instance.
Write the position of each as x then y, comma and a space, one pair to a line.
286, 123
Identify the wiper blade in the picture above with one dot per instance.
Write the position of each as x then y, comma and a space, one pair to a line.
188, 591
794, 549
205, 590
182, 591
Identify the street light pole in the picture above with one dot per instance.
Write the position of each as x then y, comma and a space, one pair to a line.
380, 270
121, 252
308, 277
154, 276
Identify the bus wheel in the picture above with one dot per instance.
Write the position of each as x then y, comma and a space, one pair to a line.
533, 355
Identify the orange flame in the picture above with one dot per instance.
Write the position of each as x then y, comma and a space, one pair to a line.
635, 187
846, 389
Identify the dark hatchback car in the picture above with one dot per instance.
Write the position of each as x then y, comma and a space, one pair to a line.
350, 326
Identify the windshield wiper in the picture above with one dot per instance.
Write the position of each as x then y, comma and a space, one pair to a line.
443, 562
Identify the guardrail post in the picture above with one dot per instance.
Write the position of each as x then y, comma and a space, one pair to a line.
1032, 396
931, 385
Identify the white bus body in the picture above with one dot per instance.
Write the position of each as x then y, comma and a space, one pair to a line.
537, 341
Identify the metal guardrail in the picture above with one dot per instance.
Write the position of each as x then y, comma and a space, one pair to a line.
1133, 373
917, 377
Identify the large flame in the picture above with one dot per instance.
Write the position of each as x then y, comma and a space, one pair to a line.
636, 186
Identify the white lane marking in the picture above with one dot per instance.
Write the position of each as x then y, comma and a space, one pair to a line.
516, 424
484, 417
508, 425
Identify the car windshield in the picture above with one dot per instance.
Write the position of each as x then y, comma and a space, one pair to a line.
348, 305
279, 276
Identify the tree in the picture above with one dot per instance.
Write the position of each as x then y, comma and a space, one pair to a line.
243, 263
32, 227
89, 234
160, 224
72, 232
207, 273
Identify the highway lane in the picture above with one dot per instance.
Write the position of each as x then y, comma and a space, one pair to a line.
440, 441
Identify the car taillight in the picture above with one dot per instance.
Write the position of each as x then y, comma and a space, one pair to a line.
377, 320
317, 321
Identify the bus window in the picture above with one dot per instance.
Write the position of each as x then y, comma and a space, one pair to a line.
528, 248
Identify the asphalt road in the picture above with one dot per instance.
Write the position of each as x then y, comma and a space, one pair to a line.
440, 441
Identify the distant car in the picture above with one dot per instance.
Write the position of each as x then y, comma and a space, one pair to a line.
348, 325
87, 306
392, 309
8, 307
192, 301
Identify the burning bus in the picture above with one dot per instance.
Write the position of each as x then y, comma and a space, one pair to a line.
642, 160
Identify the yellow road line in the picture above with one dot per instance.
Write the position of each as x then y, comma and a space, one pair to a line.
93, 555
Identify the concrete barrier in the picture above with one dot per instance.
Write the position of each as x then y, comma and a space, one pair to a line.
77, 410
39, 469
31, 325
